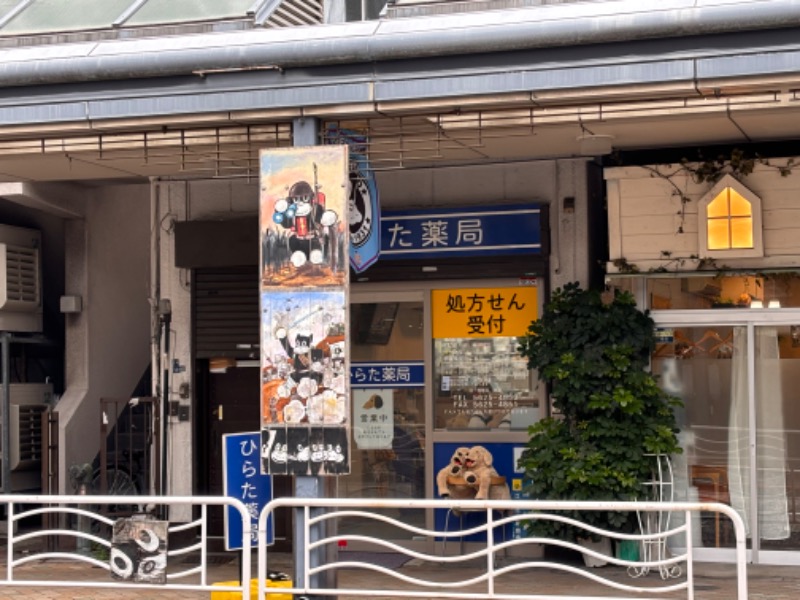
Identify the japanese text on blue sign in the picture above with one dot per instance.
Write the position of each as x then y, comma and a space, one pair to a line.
500, 230
406, 374
243, 480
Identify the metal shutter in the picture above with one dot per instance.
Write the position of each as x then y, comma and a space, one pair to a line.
226, 313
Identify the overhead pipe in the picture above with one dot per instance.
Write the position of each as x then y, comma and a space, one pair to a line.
387, 39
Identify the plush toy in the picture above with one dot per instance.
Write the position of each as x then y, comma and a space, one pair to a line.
478, 473
453, 469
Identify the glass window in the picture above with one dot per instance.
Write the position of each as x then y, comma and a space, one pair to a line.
707, 368
47, 16
482, 384
388, 400
173, 11
780, 289
363, 10
480, 380
703, 367
729, 221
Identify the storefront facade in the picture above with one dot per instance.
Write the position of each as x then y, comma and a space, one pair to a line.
138, 158
734, 369
433, 325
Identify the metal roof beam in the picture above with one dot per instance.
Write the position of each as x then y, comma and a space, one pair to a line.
561, 25
128, 13
22, 5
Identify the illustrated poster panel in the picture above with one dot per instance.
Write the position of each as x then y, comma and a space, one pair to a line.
139, 550
303, 217
305, 382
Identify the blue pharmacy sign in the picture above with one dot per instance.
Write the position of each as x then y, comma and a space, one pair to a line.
387, 375
242, 479
450, 233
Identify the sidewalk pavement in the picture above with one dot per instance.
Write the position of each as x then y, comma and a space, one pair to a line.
712, 581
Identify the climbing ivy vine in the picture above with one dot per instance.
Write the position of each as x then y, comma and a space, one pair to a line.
703, 169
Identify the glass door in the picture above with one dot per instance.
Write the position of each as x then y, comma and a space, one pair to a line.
703, 367
388, 402
777, 481
737, 375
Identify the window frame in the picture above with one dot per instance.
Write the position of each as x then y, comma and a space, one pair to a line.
729, 181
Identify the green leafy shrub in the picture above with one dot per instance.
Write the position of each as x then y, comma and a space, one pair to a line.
610, 416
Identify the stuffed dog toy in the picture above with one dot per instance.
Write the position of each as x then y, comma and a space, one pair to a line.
478, 473
454, 468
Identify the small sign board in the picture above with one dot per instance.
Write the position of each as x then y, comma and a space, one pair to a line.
664, 335
387, 374
483, 312
242, 479
458, 232
373, 418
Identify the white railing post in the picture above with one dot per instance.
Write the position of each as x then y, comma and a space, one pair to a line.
490, 556
689, 553
10, 540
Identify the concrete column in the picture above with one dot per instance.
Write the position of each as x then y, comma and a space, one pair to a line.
306, 133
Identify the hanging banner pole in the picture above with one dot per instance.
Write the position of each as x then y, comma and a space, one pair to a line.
305, 398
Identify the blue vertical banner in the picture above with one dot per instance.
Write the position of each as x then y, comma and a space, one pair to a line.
243, 480
363, 205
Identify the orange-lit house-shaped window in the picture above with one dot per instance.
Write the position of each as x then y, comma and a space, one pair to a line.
729, 221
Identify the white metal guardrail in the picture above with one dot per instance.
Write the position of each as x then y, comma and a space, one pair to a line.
81, 518
496, 566
487, 578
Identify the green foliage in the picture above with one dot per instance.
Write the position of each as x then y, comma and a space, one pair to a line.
611, 414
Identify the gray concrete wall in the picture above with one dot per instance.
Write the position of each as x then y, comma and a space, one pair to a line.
180, 201
107, 345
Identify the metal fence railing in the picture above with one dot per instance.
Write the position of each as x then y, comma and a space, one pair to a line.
328, 524
145, 551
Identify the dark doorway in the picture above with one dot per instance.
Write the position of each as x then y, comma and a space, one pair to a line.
229, 403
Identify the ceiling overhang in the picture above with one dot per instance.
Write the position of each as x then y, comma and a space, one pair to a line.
533, 104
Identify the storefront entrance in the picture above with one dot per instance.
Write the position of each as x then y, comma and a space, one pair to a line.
388, 399
737, 373
422, 387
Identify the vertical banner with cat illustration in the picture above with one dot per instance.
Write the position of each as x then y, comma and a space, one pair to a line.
305, 407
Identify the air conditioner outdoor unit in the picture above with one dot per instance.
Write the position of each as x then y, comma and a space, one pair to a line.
27, 403
20, 279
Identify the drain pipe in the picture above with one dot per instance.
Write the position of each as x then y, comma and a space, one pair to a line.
165, 315
161, 321
155, 324
5, 357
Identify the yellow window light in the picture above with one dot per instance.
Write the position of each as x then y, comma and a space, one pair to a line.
729, 221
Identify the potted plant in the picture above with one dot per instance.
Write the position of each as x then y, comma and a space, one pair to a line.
609, 415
